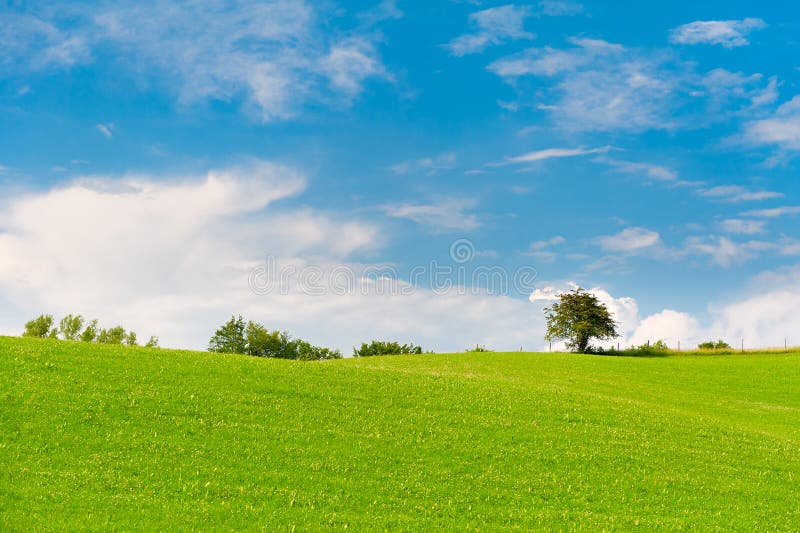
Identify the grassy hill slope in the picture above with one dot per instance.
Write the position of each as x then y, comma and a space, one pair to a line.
106, 437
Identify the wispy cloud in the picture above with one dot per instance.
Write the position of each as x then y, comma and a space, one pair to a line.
492, 26
106, 129
727, 33
737, 193
630, 240
743, 227
442, 216
428, 165
552, 153
275, 55
595, 85
773, 212
647, 170
782, 129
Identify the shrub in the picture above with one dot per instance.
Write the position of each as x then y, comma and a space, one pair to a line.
477, 348
40, 327
658, 347
256, 340
385, 348
711, 345
152, 343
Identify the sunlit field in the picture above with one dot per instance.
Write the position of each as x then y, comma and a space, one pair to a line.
104, 437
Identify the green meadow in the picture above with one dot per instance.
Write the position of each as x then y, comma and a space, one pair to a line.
105, 437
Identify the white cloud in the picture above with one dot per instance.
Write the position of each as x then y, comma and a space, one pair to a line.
630, 240
773, 212
492, 26
595, 85
276, 55
173, 256
728, 33
781, 129
553, 153
737, 193
653, 172
743, 227
443, 216
725, 252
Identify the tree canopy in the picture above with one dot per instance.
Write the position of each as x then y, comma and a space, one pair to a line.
578, 317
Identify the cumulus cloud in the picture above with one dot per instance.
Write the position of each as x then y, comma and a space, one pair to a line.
727, 33
174, 256
275, 55
773, 212
492, 26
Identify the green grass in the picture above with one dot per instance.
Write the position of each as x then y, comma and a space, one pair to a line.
102, 437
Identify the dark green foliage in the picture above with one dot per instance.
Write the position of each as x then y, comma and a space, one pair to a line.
385, 348
254, 339
70, 327
40, 327
578, 317
711, 345
152, 343
230, 338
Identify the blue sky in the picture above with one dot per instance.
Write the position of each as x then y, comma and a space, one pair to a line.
153, 153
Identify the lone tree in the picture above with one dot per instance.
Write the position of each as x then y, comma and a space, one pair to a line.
579, 317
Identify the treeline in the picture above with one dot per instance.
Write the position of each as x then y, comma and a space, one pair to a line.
251, 338
75, 328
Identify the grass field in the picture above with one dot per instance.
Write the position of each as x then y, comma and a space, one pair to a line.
101, 437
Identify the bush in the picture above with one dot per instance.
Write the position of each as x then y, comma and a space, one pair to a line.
385, 348
657, 348
711, 345
152, 343
254, 339
477, 348
40, 327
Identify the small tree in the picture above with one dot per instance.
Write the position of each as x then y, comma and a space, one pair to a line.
130, 339
578, 317
90, 333
40, 327
230, 338
70, 327
152, 343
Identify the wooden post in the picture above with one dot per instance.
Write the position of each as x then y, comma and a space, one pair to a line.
742, 345
679, 346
